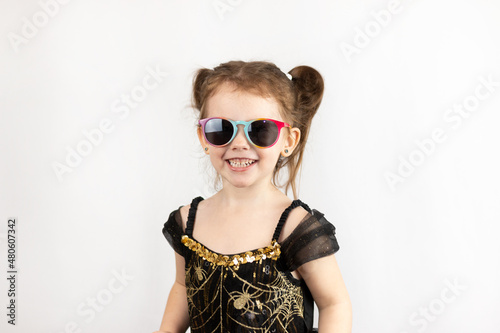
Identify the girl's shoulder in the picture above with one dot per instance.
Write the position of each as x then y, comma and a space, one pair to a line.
296, 216
183, 215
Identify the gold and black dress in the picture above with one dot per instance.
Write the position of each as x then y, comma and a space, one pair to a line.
252, 291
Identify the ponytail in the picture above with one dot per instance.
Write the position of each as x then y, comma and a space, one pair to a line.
308, 86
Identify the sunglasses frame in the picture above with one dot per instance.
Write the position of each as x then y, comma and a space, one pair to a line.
246, 124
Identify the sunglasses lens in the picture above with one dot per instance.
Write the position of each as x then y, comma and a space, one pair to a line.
263, 133
218, 131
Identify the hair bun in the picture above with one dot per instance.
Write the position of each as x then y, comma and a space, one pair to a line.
309, 87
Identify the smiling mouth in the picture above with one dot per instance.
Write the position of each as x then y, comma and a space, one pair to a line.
240, 162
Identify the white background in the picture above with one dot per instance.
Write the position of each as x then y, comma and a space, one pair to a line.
402, 246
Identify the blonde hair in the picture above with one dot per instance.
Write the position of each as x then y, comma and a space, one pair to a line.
299, 98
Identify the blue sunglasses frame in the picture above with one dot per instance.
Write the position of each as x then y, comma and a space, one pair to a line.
246, 124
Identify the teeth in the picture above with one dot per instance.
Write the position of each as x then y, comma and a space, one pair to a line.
241, 163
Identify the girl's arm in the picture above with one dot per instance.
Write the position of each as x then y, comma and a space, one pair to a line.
327, 287
176, 317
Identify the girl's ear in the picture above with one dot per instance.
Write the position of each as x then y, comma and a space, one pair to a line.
291, 141
203, 142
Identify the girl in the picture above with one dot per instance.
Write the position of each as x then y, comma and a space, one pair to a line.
249, 259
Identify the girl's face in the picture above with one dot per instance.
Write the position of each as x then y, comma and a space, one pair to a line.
240, 163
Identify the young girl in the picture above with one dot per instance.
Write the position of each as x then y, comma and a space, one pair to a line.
249, 259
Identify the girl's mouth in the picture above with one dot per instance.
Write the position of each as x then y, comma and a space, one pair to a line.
240, 162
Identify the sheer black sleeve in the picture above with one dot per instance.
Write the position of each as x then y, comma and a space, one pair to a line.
313, 238
172, 230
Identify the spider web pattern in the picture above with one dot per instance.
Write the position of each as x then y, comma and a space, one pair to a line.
257, 297
278, 303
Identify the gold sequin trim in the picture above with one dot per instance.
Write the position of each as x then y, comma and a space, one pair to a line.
273, 251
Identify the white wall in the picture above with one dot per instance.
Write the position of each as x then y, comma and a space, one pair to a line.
402, 245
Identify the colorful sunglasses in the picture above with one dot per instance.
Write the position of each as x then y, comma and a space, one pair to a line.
262, 133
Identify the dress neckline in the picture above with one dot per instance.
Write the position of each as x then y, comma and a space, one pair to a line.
271, 251
227, 255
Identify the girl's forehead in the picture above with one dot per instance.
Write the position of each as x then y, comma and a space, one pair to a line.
234, 104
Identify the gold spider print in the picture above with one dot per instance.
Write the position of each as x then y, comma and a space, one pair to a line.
199, 272
244, 298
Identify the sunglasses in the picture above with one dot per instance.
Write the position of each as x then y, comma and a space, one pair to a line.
262, 133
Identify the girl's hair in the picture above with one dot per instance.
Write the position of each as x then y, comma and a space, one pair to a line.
298, 98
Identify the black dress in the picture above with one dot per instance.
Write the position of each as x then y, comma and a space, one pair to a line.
252, 291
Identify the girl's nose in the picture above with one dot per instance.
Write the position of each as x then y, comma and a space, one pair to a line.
240, 140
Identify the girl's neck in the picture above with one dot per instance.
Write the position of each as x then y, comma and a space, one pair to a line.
231, 196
